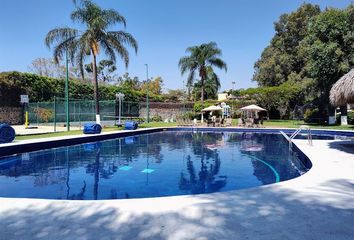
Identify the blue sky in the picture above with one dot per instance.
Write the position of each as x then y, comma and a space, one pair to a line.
163, 28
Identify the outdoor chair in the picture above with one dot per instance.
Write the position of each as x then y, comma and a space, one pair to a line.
179, 122
257, 122
241, 122
228, 122
217, 122
209, 122
249, 122
222, 122
188, 122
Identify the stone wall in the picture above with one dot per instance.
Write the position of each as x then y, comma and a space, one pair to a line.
11, 115
165, 110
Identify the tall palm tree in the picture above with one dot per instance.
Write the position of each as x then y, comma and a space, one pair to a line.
200, 59
211, 85
91, 41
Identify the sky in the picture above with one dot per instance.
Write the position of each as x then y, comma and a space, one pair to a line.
163, 29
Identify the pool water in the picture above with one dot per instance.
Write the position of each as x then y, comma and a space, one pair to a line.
151, 165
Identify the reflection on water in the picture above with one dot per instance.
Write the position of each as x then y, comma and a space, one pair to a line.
150, 165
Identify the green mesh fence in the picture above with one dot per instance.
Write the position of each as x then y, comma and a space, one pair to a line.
79, 111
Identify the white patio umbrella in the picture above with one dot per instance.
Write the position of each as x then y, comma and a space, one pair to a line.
251, 111
212, 108
254, 108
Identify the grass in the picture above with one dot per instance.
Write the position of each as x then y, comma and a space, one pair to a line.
78, 132
268, 123
298, 123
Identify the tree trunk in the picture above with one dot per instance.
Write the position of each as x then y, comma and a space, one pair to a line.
95, 88
202, 97
202, 92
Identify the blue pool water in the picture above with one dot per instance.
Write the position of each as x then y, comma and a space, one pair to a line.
151, 165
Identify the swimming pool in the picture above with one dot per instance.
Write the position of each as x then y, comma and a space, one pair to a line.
151, 165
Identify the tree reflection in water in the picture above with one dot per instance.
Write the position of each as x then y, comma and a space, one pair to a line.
206, 180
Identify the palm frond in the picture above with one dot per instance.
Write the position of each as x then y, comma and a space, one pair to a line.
60, 34
66, 46
79, 15
217, 62
111, 17
187, 64
191, 78
109, 51
125, 38
121, 50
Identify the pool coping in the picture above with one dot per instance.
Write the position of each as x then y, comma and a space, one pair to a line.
23, 146
316, 205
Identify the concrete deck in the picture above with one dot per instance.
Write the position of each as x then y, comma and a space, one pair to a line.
41, 129
317, 205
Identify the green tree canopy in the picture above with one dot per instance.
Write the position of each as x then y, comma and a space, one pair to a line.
105, 70
284, 57
330, 49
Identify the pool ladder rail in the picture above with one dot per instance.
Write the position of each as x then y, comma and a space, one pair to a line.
296, 132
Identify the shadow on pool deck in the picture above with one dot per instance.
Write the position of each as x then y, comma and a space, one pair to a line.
326, 212
345, 146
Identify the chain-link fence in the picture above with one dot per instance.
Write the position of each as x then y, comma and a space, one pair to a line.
79, 111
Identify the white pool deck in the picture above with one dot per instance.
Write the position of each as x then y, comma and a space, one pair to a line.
317, 205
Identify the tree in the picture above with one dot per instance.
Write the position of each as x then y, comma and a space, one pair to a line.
175, 95
155, 86
128, 82
211, 86
199, 60
285, 55
330, 50
94, 39
105, 70
47, 67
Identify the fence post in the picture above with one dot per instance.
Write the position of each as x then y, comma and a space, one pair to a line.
37, 113
55, 114
79, 114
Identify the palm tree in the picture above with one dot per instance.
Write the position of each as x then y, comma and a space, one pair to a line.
211, 85
201, 58
94, 39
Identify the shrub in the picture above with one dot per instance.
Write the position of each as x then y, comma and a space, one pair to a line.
350, 117
156, 118
44, 114
312, 115
189, 115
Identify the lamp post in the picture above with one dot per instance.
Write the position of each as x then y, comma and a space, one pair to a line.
120, 97
233, 86
147, 94
67, 92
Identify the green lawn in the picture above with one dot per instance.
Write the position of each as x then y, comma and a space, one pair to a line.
105, 129
297, 123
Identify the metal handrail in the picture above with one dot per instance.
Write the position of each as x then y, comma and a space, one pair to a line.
296, 132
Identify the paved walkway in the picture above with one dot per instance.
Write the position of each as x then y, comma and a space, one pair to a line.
21, 130
317, 205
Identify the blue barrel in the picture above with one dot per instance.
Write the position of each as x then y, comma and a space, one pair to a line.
7, 133
92, 128
131, 125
